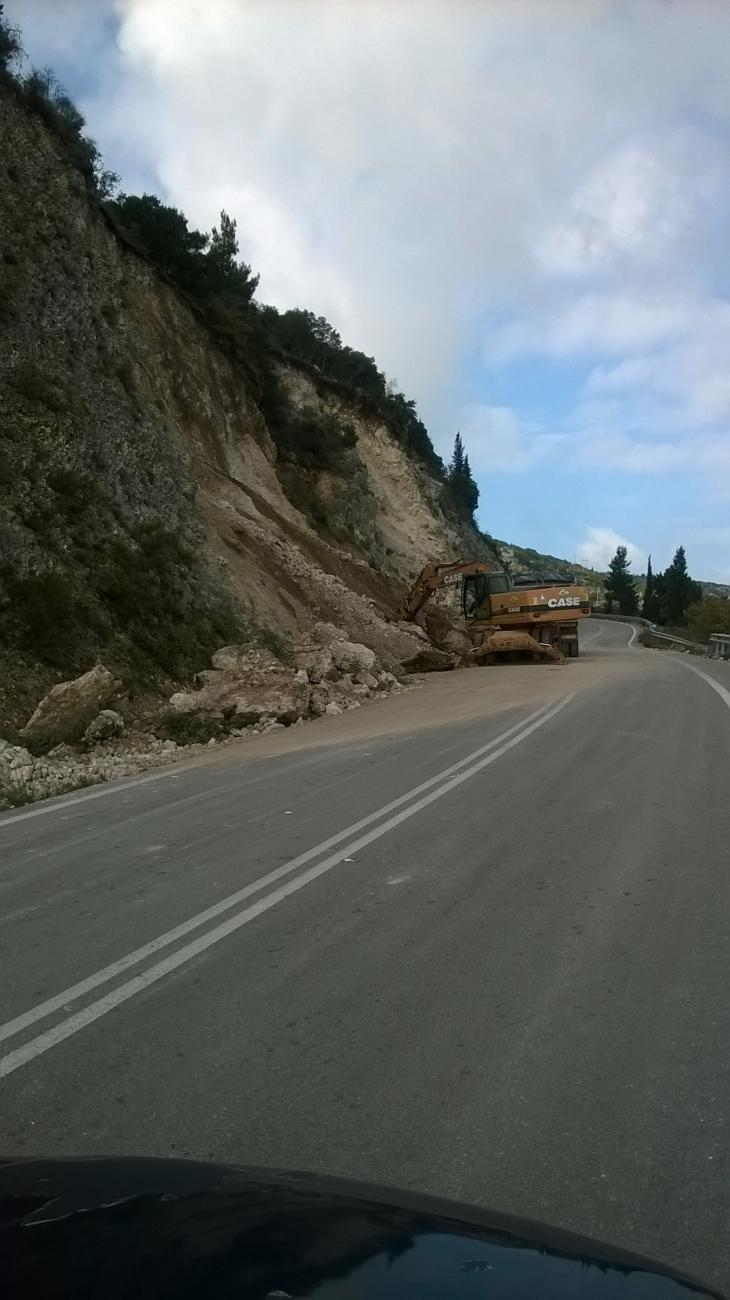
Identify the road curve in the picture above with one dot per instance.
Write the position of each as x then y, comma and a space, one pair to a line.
474, 941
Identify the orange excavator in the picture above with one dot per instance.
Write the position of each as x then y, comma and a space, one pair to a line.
536, 613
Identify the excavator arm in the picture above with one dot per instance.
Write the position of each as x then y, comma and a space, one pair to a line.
433, 576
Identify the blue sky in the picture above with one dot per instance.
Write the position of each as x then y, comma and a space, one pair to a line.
519, 207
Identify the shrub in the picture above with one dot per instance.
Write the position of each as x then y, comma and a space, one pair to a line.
315, 439
707, 616
160, 596
45, 610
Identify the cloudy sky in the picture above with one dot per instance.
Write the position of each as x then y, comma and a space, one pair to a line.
519, 208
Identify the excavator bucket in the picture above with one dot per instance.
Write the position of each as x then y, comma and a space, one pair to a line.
506, 642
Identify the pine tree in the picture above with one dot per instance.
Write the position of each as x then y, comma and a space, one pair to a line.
681, 591
462, 488
458, 457
648, 607
619, 584
224, 273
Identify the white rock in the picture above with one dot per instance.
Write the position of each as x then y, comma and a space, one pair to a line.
332, 709
351, 657
68, 708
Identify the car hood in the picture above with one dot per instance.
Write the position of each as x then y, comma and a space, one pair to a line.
169, 1228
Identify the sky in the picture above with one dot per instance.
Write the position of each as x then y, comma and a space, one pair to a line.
519, 207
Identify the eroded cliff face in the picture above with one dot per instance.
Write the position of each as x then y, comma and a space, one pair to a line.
140, 490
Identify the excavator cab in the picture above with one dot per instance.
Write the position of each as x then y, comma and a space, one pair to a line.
476, 590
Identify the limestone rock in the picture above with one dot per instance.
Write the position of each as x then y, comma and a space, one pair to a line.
247, 699
316, 661
65, 713
430, 660
414, 629
351, 657
387, 681
108, 724
366, 679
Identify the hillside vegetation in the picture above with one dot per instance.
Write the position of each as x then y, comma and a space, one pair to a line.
181, 466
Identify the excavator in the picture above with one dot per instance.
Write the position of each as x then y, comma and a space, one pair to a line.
532, 613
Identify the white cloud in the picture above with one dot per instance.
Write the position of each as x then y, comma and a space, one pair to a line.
559, 167
498, 439
595, 324
599, 545
632, 205
398, 174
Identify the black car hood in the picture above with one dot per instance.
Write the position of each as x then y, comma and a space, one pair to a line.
168, 1228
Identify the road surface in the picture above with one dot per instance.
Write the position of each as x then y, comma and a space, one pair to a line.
472, 940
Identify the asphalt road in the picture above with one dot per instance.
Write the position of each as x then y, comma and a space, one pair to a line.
480, 949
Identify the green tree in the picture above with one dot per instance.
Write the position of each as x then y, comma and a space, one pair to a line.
224, 273
166, 238
648, 608
679, 589
461, 487
619, 584
707, 616
11, 45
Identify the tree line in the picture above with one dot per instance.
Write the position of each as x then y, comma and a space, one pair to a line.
671, 598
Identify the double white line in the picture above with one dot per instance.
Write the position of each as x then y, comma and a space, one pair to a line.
409, 804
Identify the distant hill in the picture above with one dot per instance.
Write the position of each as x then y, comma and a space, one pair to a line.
525, 557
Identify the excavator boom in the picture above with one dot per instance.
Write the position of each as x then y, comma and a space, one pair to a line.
433, 576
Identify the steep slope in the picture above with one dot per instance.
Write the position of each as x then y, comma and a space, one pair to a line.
143, 513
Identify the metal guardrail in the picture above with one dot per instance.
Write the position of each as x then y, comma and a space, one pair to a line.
633, 619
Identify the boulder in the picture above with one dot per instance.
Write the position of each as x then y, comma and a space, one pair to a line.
108, 724
65, 713
414, 629
15, 761
316, 661
351, 657
332, 709
366, 679
245, 700
318, 702
323, 634
387, 681
430, 660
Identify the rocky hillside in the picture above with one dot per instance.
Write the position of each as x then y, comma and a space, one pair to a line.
146, 516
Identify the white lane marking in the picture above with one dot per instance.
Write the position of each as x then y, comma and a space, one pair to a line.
118, 967
716, 686
634, 635
52, 1037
